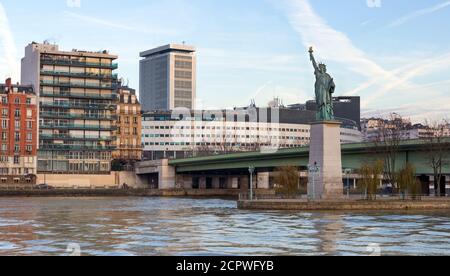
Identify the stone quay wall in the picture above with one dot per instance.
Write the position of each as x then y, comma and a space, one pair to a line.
380, 205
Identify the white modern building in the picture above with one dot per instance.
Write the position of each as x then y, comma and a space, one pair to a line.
196, 133
168, 78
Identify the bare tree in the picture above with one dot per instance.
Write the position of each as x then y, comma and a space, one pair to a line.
438, 151
390, 134
287, 181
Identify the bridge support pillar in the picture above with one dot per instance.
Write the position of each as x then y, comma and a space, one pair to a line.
167, 176
325, 160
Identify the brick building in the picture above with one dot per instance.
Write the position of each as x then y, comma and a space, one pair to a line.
18, 134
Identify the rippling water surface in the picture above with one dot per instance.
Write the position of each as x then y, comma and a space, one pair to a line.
163, 226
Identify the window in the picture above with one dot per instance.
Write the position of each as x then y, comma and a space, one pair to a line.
17, 124
17, 136
28, 101
17, 101
4, 100
16, 160
29, 136
29, 125
4, 135
16, 148
29, 113
17, 113
4, 123
5, 112
29, 148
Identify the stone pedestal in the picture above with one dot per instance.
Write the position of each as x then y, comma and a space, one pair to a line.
325, 151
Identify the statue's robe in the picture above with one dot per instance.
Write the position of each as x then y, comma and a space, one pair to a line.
325, 87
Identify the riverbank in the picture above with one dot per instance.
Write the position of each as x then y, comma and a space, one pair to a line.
346, 205
227, 193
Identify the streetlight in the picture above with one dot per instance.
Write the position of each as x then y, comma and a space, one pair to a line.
251, 170
313, 169
347, 173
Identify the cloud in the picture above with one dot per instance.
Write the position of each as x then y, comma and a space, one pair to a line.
419, 13
332, 44
8, 50
409, 72
118, 25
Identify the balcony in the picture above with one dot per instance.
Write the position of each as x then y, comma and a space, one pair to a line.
78, 95
76, 63
77, 85
75, 147
78, 127
78, 106
80, 75
77, 116
68, 137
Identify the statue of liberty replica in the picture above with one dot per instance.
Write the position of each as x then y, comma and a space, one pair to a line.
325, 157
324, 90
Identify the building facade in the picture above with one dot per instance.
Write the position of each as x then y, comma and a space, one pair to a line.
168, 78
170, 135
76, 103
378, 129
18, 134
129, 126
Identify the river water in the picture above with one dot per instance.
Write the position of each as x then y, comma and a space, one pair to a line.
166, 226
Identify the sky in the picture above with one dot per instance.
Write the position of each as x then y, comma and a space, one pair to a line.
395, 54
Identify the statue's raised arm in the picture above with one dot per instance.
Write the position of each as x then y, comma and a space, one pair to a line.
311, 54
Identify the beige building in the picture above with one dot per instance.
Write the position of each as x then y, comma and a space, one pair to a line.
168, 78
129, 126
76, 104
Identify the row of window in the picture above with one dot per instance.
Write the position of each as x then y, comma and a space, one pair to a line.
229, 128
17, 113
17, 148
75, 155
17, 136
283, 145
16, 100
15, 171
224, 136
126, 131
17, 124
127, 120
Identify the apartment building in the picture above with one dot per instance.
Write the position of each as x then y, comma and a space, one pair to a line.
77, 100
